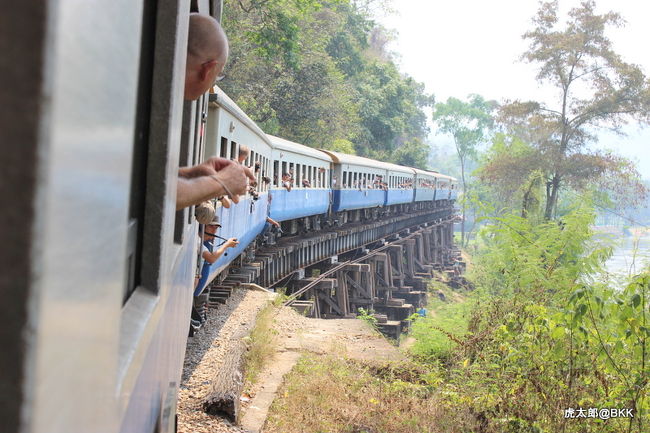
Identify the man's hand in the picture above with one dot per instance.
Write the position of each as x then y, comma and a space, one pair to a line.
234, 177
214, 178
207, 168
232, 242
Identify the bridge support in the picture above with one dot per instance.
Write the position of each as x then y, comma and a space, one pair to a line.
399, 254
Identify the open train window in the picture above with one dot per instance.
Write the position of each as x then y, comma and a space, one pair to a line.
234, 152
276, 173
140, 153
223, 149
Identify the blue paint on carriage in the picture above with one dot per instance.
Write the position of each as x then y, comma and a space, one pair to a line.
244, 221
298, 203
443, 194
349, 199
424, 194
454, 194
398, 196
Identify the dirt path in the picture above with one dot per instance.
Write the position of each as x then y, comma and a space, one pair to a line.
349, 338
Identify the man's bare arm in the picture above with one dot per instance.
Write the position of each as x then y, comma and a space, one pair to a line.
231, 180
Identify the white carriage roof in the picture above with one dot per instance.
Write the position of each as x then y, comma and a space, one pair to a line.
426, 173
344, 158
399, 168
219, 97
444, 176
301, 149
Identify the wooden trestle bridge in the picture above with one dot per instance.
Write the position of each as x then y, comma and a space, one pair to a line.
381, 266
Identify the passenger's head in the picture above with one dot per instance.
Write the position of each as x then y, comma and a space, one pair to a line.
211, 227
244, 152
207, 53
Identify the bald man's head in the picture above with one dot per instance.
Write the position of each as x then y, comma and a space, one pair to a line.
207, 53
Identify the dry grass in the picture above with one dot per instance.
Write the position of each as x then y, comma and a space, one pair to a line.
331, 395
261, 343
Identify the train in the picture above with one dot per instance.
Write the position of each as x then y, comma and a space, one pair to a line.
98, 266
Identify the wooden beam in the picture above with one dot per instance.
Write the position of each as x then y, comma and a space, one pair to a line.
356, 267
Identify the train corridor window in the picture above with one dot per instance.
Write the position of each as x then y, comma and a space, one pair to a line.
276, 173
234, 150
223, 149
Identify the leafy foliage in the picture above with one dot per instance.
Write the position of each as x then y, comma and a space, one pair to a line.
469, 123
317, 72
596, 89
545, 334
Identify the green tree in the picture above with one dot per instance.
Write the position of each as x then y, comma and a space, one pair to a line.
413, 154
469, 123
595, 88
318, 71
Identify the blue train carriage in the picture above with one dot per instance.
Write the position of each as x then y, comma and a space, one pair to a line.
400, 183
444, 188
453, 193
356, 190
300, 184
96, 323
228, 128
425, 185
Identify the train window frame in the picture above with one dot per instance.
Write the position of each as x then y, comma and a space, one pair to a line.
138, 316
223, 147
234, 150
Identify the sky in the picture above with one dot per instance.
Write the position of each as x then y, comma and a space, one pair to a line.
473, 46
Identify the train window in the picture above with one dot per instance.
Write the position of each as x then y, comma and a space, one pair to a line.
139, 165
234, 151
223, 149
276, 173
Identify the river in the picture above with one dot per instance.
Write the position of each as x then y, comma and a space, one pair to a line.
631, 255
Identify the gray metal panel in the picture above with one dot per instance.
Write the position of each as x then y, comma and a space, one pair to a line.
83, 203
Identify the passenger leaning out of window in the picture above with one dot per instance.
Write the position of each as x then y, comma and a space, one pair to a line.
207, 53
